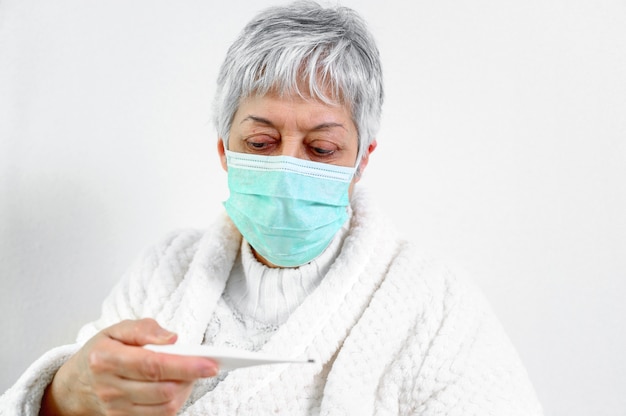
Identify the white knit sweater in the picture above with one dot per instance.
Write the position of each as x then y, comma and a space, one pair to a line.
391, 333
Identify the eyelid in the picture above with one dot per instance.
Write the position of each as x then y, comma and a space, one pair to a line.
324, 142
265, 135
323, 152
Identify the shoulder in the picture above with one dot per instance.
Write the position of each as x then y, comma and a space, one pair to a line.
448, 307
144, 286
455, 353
160, 271
174, 250
169, 259
432, 278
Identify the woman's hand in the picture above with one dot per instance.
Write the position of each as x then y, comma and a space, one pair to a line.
113, 375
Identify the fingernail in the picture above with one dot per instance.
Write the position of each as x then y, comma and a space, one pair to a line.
166, 335
208, 371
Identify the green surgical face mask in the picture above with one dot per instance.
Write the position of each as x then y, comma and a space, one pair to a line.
288, 209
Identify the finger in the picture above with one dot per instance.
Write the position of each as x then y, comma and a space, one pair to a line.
167, 409
129, 397
136, 363
156, 366
140, 332
122, 392
157, 410
123, 407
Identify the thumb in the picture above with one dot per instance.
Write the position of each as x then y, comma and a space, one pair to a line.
140, 332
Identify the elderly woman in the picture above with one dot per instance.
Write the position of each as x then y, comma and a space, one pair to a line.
300, 265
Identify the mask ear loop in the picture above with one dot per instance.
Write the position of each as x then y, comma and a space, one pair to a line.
359, 159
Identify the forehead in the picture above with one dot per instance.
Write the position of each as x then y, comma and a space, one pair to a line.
285, 106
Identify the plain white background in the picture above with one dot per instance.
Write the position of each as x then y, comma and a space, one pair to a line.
503, 150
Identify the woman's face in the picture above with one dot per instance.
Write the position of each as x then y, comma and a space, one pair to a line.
271, 125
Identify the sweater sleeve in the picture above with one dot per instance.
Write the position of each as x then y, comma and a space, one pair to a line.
24, 397
128, 300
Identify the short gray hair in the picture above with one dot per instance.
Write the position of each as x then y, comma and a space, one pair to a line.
330, 49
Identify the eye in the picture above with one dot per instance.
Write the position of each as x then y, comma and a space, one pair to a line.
321, 151
322, 148
260, 143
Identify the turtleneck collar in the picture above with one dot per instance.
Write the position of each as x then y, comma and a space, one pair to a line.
269, 295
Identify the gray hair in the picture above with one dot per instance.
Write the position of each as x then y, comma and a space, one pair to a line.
284, 48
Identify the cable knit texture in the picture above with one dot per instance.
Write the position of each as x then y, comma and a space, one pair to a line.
391, 331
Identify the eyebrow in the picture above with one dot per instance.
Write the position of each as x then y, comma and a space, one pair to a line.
267, 122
